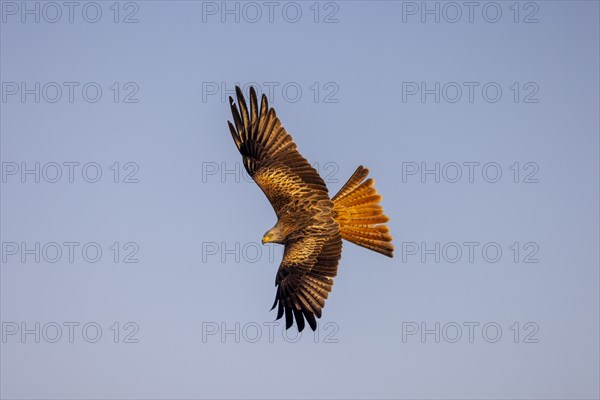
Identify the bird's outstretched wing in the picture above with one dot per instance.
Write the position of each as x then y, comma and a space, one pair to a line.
304, 278
270, 155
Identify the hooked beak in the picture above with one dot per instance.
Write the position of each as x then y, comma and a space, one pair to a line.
264, 240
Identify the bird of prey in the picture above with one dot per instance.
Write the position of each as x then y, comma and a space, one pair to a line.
310, 224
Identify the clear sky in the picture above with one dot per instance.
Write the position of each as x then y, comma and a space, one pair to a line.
478, 121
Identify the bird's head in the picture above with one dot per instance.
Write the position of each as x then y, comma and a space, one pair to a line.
272, 236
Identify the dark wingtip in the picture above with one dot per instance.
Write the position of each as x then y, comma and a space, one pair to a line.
238, 92
289, 319
310, 318
299, 319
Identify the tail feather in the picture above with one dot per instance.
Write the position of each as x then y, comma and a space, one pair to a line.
360, 216
354, 181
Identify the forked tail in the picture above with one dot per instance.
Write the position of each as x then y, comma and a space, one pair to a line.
360, 216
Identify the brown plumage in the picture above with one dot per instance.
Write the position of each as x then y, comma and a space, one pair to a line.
309, 223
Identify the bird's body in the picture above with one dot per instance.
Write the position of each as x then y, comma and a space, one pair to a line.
310, 224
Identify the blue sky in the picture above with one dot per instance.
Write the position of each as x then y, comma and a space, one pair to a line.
119, 174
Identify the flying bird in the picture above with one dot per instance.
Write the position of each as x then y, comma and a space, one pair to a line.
310, 224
